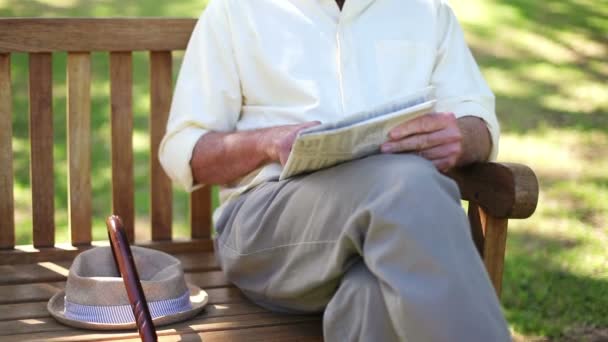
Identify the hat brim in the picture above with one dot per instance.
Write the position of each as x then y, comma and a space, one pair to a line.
198, 300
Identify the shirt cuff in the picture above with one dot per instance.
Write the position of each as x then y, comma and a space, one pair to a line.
175, 153
471, 108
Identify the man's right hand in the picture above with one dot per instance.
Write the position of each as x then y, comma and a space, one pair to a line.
223, 157
278, 140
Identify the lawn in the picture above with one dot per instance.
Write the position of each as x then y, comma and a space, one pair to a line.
546, 62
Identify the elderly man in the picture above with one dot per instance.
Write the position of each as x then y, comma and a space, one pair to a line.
380, 244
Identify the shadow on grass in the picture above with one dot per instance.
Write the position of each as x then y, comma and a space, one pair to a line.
563, 24
541, 296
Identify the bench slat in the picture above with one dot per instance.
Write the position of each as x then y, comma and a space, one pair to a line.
57, 271
45, 328
161, 85
121, 83
41, 139
79, 147
100, 34
7, 209
27, 293
307, 331
476, 228
28, 254
300, 331
200, 213
21, 311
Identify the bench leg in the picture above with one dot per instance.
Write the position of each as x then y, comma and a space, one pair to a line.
490, 237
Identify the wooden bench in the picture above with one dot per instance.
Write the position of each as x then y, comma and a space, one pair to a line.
30, 275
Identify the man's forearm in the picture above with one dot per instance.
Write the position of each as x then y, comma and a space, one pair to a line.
476, 140
220, 158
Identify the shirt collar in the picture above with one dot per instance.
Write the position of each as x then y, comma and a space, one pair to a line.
351, 9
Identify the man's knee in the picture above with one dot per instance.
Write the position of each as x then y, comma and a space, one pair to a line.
401, 175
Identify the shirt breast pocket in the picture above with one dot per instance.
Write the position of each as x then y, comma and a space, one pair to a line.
403, 66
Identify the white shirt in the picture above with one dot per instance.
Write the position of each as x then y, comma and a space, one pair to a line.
259, 63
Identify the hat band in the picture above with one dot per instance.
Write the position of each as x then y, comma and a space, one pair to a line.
123, 314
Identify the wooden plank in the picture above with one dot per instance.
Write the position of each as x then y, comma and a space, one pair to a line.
41, 139
200, 213
23, 311
27, 293
56, 271
14, 294
71, 34
34, 273
161, 85
31, 310
476, 228
197, 262
494, 250
300, 332
79, 147
123, 192
504, 190
7, 206
208, 279
47, 328
62, 252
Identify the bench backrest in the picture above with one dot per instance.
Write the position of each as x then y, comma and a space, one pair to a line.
40, 39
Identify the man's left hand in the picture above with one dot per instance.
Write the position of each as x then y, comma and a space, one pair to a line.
434, 136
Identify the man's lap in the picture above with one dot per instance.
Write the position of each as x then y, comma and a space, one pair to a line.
284, 243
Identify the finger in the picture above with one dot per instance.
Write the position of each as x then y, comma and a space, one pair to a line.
444, 164
420, 142
442, 151
287, 142
423, 124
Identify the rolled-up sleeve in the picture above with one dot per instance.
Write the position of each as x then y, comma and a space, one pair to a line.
460, 87
207, 94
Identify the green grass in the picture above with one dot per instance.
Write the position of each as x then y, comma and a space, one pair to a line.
546, 62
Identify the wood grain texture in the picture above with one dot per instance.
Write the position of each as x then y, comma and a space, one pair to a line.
26, 293
200, 213
62, 252
161, 85
44, 272
41, 140
23, 311
504, 190
38, 310
495, 230
123, 192
476, 228
79, 147
47, 329
71, 34
7, 206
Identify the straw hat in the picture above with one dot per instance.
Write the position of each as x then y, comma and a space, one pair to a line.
95, 296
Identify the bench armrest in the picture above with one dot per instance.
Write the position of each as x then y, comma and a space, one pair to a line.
503, 190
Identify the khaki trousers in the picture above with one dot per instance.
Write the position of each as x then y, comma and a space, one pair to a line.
381, 245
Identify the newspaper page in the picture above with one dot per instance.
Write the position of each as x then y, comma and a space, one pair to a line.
358, 136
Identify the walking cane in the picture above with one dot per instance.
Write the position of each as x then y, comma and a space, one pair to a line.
126, 267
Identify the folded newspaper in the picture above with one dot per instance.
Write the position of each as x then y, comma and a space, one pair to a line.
356, 136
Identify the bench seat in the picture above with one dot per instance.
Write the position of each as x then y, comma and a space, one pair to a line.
26, 289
